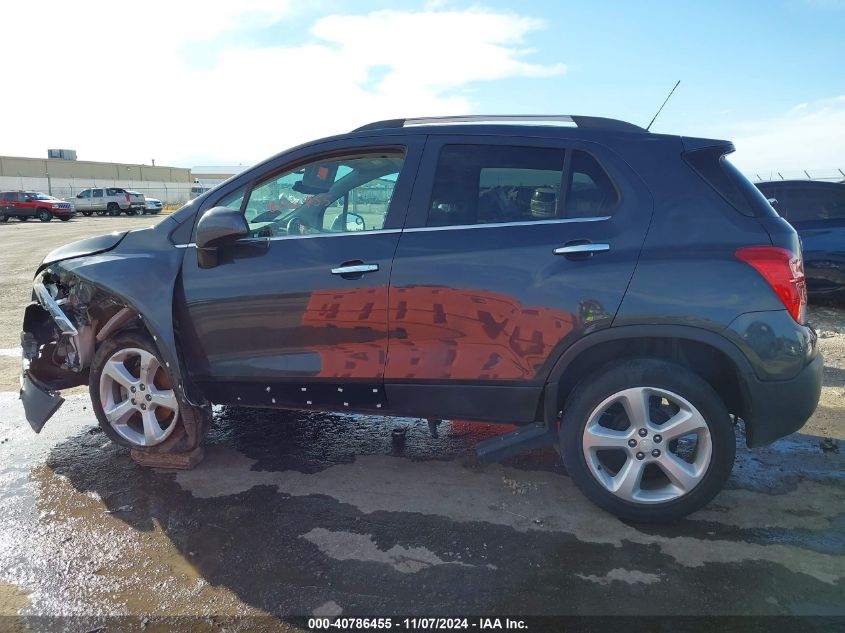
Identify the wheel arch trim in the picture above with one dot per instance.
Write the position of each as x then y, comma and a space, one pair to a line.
638, 332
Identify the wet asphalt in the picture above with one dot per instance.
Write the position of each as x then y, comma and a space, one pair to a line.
317, 514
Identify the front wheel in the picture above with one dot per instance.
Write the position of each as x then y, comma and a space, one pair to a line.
647, 440
3, 217
44, 215
135, 401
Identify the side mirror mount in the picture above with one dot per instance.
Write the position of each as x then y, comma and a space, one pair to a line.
774, 202
355, 222
217, 227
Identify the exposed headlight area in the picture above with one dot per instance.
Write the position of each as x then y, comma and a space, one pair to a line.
59, 328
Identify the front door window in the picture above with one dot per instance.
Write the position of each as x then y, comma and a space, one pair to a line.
335, 195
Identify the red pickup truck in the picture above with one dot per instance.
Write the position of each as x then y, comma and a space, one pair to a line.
33, 204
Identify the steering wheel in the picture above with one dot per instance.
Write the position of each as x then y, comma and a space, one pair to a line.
296, 226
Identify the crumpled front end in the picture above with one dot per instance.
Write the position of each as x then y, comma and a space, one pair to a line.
61, 327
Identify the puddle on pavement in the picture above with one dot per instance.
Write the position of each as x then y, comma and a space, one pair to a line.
290, 513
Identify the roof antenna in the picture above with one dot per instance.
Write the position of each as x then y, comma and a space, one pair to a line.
661, 107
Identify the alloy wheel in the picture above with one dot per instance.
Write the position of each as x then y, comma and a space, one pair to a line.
647, 445
137, 397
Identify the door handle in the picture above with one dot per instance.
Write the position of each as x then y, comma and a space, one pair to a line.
355, 269
582, 249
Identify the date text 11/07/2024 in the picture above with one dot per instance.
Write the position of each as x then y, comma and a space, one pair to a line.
430, 624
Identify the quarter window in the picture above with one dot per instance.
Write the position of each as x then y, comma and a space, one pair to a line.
590, 193
484, 184
98, 193
329, 196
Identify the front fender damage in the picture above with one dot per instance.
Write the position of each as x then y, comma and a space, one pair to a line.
78, 304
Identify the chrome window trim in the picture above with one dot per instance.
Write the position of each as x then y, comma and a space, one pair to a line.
493, 225
278, 238
422, 229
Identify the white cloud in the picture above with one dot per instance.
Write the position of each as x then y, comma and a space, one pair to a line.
810, 137
114, 83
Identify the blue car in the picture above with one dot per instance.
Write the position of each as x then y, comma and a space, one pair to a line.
817, 211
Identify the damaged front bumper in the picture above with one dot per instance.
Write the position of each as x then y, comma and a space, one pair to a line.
39, 402
57, 344
43, 319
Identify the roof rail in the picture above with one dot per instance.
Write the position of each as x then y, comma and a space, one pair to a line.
590, 122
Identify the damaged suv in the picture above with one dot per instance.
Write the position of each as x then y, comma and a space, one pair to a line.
627, 297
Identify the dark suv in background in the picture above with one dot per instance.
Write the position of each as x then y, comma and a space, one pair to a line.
817, 211
622, 295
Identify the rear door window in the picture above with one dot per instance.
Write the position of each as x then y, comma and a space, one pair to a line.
98, 193
489, 184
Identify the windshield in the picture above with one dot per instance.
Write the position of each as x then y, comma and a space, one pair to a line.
36, 195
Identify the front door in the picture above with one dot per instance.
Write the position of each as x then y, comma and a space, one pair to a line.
296, 313
514, 247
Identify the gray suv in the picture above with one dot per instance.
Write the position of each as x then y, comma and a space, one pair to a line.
631, 314
109, 200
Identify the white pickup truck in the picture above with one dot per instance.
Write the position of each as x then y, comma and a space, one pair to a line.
111, 200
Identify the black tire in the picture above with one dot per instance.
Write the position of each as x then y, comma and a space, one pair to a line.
191, 423
113, 208
87, 214
130, 212
64, 218
611, 379
3, 217
44, 215
23, 218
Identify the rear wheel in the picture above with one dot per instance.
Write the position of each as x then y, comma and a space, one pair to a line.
135, 401
3, 217
44, 215
647, 440
113, 209
23, 218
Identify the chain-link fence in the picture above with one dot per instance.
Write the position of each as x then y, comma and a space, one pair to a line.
68, 188
829, 175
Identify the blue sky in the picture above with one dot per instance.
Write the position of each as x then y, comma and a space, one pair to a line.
238, 81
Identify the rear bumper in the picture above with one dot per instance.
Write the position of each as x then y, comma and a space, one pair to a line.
781, 407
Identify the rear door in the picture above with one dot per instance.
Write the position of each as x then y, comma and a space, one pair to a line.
513, 249
296, 314
23, 205
6, 207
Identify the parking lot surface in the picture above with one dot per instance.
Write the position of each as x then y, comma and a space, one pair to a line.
300, 514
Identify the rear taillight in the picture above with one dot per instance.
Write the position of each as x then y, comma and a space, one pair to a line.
128, 199
784, 272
